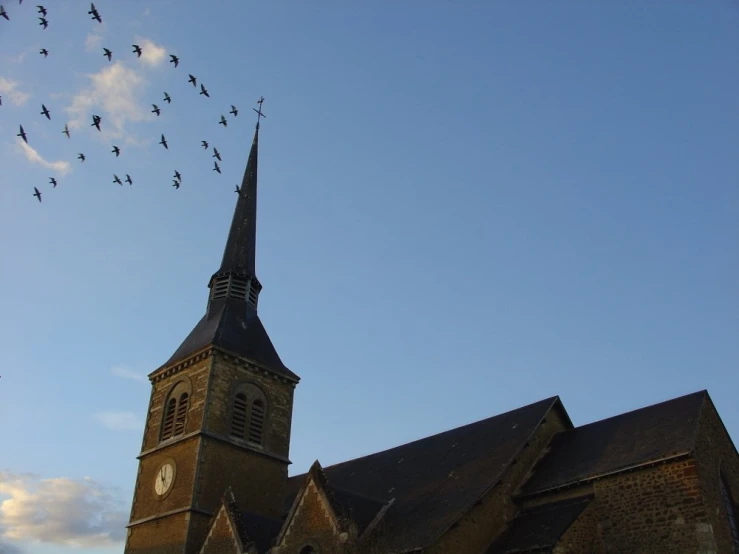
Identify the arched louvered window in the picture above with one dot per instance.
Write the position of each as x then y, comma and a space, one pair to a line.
168, 425
249, 414
174, 415
731, 512
179, 423
256, 422
238, 417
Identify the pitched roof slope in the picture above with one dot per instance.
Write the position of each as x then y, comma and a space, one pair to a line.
540, 528
620, 442
436, 479
238, 329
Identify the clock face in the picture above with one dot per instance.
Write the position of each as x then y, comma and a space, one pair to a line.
164, 479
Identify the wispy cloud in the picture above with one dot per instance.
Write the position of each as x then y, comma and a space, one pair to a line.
66, 512
126, 372
93, 41
115, 91
119, 421
152, 54
9, 89
32, 156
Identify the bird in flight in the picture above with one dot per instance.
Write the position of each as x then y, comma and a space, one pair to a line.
217, 167
81, 157
216, 154
176, 184
203, 91
52, 181
108, 54
193, 80
42, 10
43, 22
45, 111
5, 15
177, 175
94, 13
44, 52
22, 134
156, 110
174, 59
234, 110
129, 180
96, 119
37, 194
238, 189
223, 121
205, 144
116, 151
167, 99
66, 130
137, 50
117, 179
163, 142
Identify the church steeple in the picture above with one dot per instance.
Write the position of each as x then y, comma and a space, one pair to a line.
231, 321
237, 277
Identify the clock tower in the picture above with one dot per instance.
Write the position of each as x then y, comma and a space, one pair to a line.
220, 409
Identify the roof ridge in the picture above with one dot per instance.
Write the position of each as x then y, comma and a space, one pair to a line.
551, 400
702, 393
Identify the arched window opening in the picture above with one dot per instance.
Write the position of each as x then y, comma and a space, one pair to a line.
256, 423
182, 403
169, 414
238, 419
174, 415
731, 512
307, 550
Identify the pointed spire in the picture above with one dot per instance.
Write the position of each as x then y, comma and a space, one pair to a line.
237, 278
239, 256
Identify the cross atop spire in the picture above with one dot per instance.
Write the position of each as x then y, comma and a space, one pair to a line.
260, 115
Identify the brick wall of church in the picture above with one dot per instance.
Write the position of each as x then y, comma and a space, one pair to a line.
164, 536
311, 525
487, 520
220, 539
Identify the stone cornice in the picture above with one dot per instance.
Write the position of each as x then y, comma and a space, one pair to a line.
213, 436
170, 513
213, 351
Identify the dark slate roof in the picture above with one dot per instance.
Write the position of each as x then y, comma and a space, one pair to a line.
359, 509
618, 443
436, 479
260, 530
235, 327
538, 529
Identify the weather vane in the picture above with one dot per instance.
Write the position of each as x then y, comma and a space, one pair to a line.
260, 115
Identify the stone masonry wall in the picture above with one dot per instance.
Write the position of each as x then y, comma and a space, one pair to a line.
716, 454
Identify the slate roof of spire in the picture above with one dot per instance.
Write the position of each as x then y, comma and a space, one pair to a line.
232, 323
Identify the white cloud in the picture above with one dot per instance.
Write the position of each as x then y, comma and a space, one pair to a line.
93, 42
32, 156
126, 372
151, 54
119, 421
9, 89
60, 511
114, 92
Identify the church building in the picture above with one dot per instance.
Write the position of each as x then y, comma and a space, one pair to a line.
213, 468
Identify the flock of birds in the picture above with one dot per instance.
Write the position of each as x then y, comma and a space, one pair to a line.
97, 120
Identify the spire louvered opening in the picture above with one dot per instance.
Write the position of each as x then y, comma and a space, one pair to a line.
234, 286
256, 423
238, 419
174, 414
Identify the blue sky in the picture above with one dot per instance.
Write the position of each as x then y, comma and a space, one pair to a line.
462, 210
